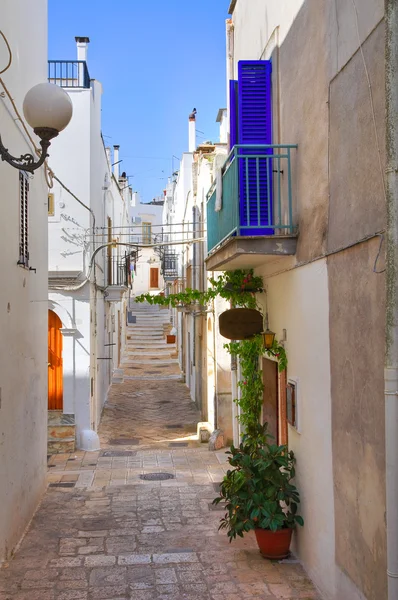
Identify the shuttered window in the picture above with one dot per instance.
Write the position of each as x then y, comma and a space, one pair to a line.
23, 220
255, 128
233, 113
146, 233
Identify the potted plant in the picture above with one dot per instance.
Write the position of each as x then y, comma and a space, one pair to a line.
259, 495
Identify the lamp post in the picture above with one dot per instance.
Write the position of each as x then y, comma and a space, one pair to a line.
48, 110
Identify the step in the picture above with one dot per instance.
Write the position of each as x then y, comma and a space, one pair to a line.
61, 432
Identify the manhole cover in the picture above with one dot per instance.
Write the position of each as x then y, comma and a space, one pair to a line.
63, 484
117, 453
156, 476
178, 444
124, 442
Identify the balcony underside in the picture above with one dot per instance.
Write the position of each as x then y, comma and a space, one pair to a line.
250, 251
115, 293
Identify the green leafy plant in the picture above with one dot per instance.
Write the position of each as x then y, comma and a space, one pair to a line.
257, 491
239, 287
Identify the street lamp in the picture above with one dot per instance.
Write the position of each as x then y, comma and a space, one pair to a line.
48, 110
268, 335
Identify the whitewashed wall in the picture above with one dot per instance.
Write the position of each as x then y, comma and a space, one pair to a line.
71, 243
23, 293
146, 213
298, 302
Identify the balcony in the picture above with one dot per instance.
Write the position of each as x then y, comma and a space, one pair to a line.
117, 277
69, 73
169, 266
255, 221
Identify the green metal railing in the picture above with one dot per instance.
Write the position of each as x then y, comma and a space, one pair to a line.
256, 194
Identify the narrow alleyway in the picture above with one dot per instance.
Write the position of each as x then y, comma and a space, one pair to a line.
105, 532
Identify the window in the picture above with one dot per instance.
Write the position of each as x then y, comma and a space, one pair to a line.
23, 220
50, 204
146, 233
291, 403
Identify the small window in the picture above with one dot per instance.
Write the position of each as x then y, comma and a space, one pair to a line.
291, 403
146, 233
50, 204
23, 220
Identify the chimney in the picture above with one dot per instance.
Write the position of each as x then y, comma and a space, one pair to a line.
82, 47
192, 131
116, 162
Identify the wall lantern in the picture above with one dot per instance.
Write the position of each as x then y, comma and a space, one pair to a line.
268, 335
48, 110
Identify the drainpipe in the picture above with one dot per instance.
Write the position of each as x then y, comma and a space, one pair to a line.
391, 359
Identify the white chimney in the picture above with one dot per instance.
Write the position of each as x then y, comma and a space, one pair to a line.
116, 162
82, 47
192, 131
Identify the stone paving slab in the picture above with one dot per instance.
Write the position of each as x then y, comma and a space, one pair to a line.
114, 536
131, 543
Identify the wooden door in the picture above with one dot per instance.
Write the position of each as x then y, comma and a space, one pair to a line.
270, 397
55, 370
154, 277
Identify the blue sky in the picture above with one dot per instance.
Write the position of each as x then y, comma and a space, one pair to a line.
156, 60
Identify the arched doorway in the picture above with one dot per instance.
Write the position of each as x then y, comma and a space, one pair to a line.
55, 370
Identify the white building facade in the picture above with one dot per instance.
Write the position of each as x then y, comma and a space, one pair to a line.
89, 266
146, 230
23, 294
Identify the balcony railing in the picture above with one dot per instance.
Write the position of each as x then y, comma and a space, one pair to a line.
118, 271
256, 197
69, 73
170, 265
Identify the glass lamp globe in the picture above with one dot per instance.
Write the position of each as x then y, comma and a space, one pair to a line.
48, 109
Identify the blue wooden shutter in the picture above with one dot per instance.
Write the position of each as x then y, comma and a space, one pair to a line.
255, 128
233, 113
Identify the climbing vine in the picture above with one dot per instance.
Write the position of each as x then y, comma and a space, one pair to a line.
251, 385
239, 288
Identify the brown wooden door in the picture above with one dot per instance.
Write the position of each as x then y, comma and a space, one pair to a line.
55, 370
270, 397
154, 277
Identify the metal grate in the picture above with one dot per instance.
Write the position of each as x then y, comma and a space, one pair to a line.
178, 444
63, 484
156, 476
23, 220
124, 442
117, 453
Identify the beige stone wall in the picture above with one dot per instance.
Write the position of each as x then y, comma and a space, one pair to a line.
321, 102
357, 297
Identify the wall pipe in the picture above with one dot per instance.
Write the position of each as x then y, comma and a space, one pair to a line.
391, 333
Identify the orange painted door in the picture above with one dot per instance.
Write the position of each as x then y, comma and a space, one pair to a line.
55, 371
154, 277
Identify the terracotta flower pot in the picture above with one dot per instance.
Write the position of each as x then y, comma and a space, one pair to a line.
171, 339
274, 544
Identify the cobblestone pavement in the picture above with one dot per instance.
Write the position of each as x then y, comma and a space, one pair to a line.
103, 533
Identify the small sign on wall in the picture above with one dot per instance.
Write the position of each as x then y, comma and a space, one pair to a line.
291, 403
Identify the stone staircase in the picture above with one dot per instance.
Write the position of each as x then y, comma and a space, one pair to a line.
147, 353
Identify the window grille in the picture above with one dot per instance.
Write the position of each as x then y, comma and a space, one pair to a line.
23, 220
